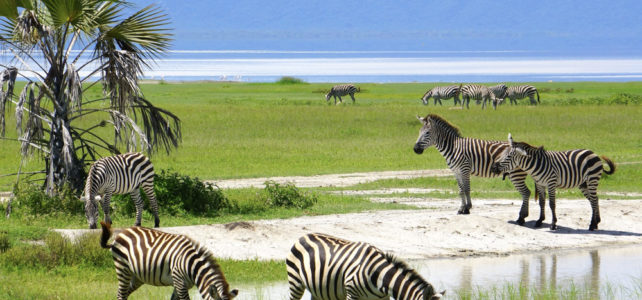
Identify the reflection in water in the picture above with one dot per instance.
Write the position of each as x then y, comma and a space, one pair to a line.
556, 270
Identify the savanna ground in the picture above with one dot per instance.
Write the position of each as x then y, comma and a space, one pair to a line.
240, 130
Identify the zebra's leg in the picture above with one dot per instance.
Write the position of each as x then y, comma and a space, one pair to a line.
124, 282
181, 290
590, 192
105, 202
512, 101
518, 180
148, 188
456, 100
532, 99
551, 203
352, 96
340, 100
463, 180
138, 201
541, 191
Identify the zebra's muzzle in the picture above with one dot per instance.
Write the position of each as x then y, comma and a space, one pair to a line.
495, 169
418, 149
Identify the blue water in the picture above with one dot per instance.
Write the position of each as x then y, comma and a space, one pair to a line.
387, 66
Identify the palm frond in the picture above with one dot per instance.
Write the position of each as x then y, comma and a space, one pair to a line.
73, 87
8, 75
162, 128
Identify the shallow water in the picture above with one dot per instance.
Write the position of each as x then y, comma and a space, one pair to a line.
594, 269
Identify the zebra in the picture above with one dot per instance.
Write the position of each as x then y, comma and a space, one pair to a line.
520, 92
499, 91
342, 90
468, 156
479, 93
147, 256
558, 169
332, 268
442, 92
119, 174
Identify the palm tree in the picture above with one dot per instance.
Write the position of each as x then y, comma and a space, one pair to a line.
53, 43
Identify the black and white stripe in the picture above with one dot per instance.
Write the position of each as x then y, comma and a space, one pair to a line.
515, 93
146, 256
499, 91
439, 93
558, 169
119, 174
336, 269
341, 90
466, 157
479, 93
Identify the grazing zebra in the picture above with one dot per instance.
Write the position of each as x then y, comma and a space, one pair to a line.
515, 93
479, 93
332, 269
147, 256
558, 169
119, 174
442, 92
342, 90
499, 91
468, 156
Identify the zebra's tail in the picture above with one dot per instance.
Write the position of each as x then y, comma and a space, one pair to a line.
611, 165
537, 92
105, 235
358, 89
458, 90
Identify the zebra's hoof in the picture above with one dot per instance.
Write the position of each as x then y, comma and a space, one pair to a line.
463, 211
553, 227
593, 227
538, 224
520, 221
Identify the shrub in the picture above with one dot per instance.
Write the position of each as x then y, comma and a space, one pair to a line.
288, 195
4, 241
178, 195
35, 201
624, 98
290, 80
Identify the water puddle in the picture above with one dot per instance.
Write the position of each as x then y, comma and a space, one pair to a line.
607, 271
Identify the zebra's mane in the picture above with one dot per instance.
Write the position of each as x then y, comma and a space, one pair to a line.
528, 148
439, 121
399, 264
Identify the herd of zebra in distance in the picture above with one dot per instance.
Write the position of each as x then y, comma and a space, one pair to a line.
481, 94
330, 267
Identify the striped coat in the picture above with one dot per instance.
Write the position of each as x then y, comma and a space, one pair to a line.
146, 256
479, 93
335, 269
442, 92
342, 90
119, 174
515, 93
558, 169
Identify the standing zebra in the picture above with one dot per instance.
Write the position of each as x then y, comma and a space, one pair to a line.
558, 169
479, 93
468, 156
342, 90
336, 269
147, 256
499, 91
119, 174
442, 92
515, 93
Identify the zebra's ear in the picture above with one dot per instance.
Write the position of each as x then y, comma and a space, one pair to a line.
510, 139
521, 151
421, 119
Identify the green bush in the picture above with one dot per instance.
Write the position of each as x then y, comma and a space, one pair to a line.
35, 201
290, 80
288, 195
4, 241
179, 195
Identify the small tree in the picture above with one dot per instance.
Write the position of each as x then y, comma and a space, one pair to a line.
53, 42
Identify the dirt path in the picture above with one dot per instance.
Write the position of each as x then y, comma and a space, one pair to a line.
435, 231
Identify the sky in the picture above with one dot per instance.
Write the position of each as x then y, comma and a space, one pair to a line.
589, 28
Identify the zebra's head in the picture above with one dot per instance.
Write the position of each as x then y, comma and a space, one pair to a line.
426, 96
91, 209
509, 160
215, 295
425, 140
429, 293
328, 95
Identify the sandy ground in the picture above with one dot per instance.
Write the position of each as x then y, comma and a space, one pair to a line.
433, 231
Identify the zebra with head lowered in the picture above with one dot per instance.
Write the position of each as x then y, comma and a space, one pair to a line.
558, 169
479, 93
442, 92
336, 269
146, 256
119, 174
342, 90
499, 91
468, 156
515, 93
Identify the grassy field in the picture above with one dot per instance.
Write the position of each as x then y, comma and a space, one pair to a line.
236, 130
